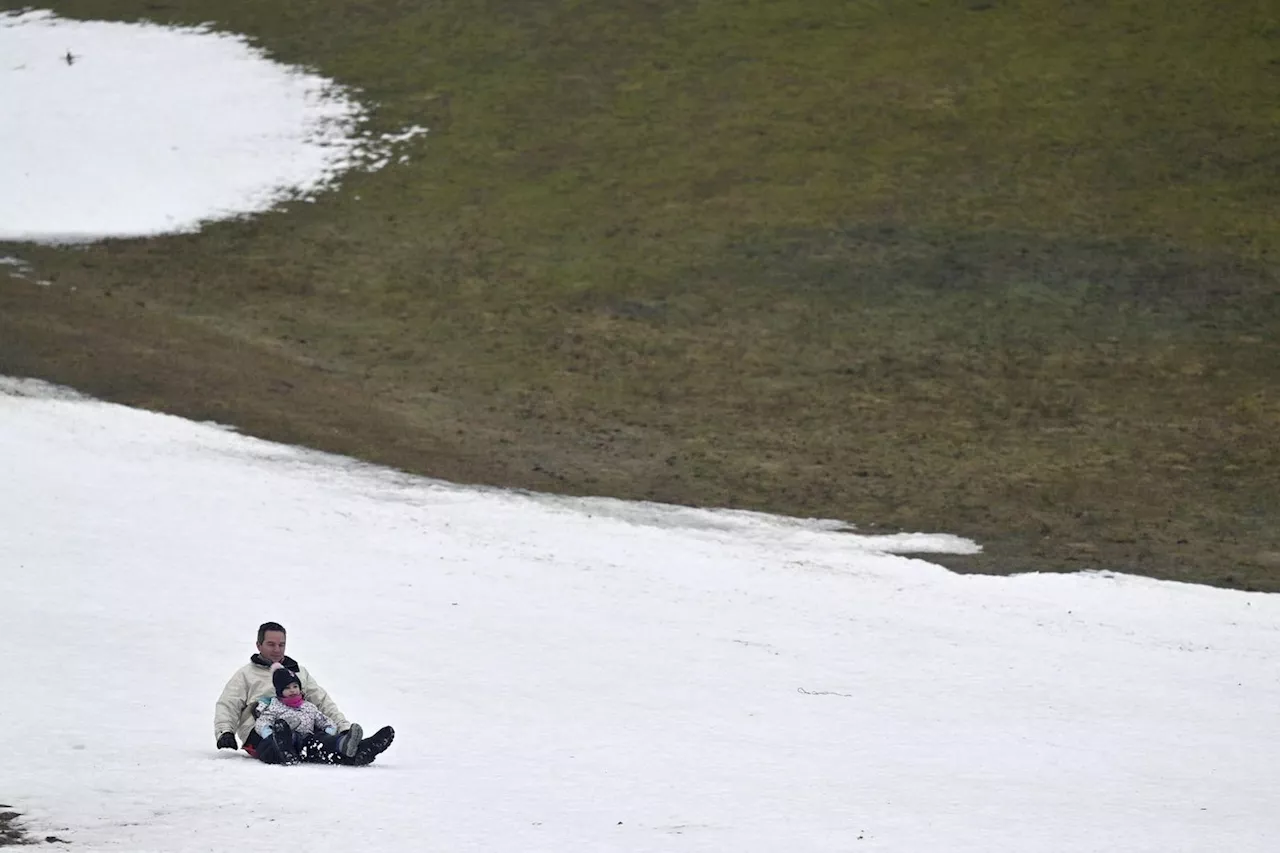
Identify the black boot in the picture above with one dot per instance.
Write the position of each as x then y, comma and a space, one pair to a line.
373, 746
282, 735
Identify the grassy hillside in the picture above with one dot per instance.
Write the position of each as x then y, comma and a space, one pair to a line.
1005, 269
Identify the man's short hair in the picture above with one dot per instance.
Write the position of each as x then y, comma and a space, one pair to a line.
269, 626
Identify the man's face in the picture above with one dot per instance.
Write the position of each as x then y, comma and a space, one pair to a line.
272, 646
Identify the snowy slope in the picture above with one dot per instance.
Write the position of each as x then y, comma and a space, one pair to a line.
579, 675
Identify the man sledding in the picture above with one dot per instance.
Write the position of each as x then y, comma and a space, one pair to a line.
271, 694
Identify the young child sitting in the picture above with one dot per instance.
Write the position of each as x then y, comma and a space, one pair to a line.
289, 722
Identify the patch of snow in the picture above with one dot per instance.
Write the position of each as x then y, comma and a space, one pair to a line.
130, 129
20, 269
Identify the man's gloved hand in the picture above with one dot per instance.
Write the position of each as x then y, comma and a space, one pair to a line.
227, 740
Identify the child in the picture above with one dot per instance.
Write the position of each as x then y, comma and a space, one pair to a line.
289, 722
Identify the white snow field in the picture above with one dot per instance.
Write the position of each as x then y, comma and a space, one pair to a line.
116, 129
586, 675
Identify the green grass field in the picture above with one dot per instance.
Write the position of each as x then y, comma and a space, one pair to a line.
1002, 269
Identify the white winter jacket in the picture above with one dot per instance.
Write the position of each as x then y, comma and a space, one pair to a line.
239, 699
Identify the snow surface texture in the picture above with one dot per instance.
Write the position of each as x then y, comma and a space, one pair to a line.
584, 675
123, 130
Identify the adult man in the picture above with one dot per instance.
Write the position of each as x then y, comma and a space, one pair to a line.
237, 707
